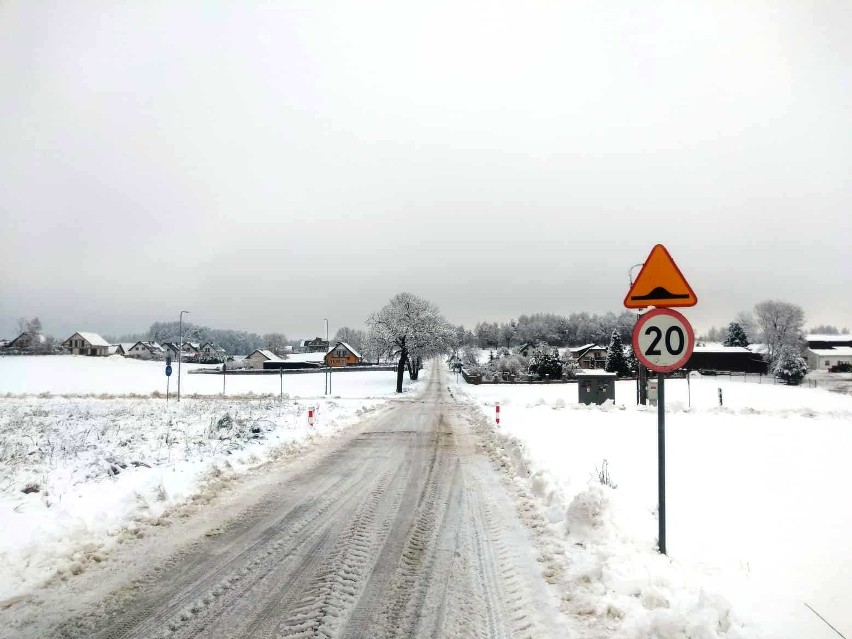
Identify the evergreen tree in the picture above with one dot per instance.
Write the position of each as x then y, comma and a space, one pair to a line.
736, 335
790, 366
616, 362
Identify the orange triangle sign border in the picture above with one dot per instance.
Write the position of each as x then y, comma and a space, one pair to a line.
660, 283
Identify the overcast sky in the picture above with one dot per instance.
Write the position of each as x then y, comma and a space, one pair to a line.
268, 165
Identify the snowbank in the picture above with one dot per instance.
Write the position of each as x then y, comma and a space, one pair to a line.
756, 527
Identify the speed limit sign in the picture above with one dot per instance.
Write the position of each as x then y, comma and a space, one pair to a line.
663, 340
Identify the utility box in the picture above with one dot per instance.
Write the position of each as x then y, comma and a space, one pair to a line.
653, 392
595, 387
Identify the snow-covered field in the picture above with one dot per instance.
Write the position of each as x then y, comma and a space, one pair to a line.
758, 516
98, 468
79, 375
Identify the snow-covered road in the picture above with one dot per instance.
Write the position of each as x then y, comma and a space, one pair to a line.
399, 528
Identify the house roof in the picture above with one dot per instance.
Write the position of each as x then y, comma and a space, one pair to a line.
347, 347
820, 337
151, 346
93, 338
266, 353
837, 351
719, 348
38, 337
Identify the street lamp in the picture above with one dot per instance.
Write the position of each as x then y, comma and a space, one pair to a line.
640, 387
180, 348
328, 367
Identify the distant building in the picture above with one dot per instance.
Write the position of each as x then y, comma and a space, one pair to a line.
146, 350
259, 356
733, 359
526, 349
90, 344
342, 354
588, 356
824, 358
27, 341
316, 345
211, 351
171, 349
828, 341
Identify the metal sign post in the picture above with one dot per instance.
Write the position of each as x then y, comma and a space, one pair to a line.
661, 458
168, 375
663, 341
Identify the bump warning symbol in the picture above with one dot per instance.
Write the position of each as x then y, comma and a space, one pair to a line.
660, 283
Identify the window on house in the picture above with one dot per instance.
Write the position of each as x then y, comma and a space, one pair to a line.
827, 363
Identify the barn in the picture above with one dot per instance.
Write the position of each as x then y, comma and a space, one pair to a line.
733, 359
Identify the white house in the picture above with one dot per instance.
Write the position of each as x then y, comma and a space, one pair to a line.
821, 359
146, 350
90, 344
211, 351
259, 356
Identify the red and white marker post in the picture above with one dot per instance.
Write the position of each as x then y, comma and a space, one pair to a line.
310, 417
498, 414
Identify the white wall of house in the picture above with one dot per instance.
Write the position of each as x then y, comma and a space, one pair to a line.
256, 359
79, 346
823, 359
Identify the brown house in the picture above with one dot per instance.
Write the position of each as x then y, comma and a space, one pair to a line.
341, 354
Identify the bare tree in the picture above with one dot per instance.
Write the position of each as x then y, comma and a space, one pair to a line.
34, 326
411, 328
781, 323
276, 342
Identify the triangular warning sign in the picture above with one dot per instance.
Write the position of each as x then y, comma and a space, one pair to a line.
660, 283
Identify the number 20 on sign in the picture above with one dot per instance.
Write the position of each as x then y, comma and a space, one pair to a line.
663, 340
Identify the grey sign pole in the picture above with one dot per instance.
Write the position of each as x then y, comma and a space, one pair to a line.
661, 457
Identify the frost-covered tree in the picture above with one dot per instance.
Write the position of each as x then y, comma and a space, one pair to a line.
487, 334
781, 323
352, 336
412, 329
736, 335
545, 361
507, 333
277, 343
616, 362
790, 366
828, 329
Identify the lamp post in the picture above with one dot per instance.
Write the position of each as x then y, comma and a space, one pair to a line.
328, 367
180, 348
640, 387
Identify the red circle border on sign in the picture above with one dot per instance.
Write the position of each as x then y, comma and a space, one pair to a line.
690, 334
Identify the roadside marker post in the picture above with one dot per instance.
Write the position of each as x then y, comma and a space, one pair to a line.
663, 341
498, 414
310, 417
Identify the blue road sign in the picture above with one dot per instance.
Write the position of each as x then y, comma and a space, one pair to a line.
168, 371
